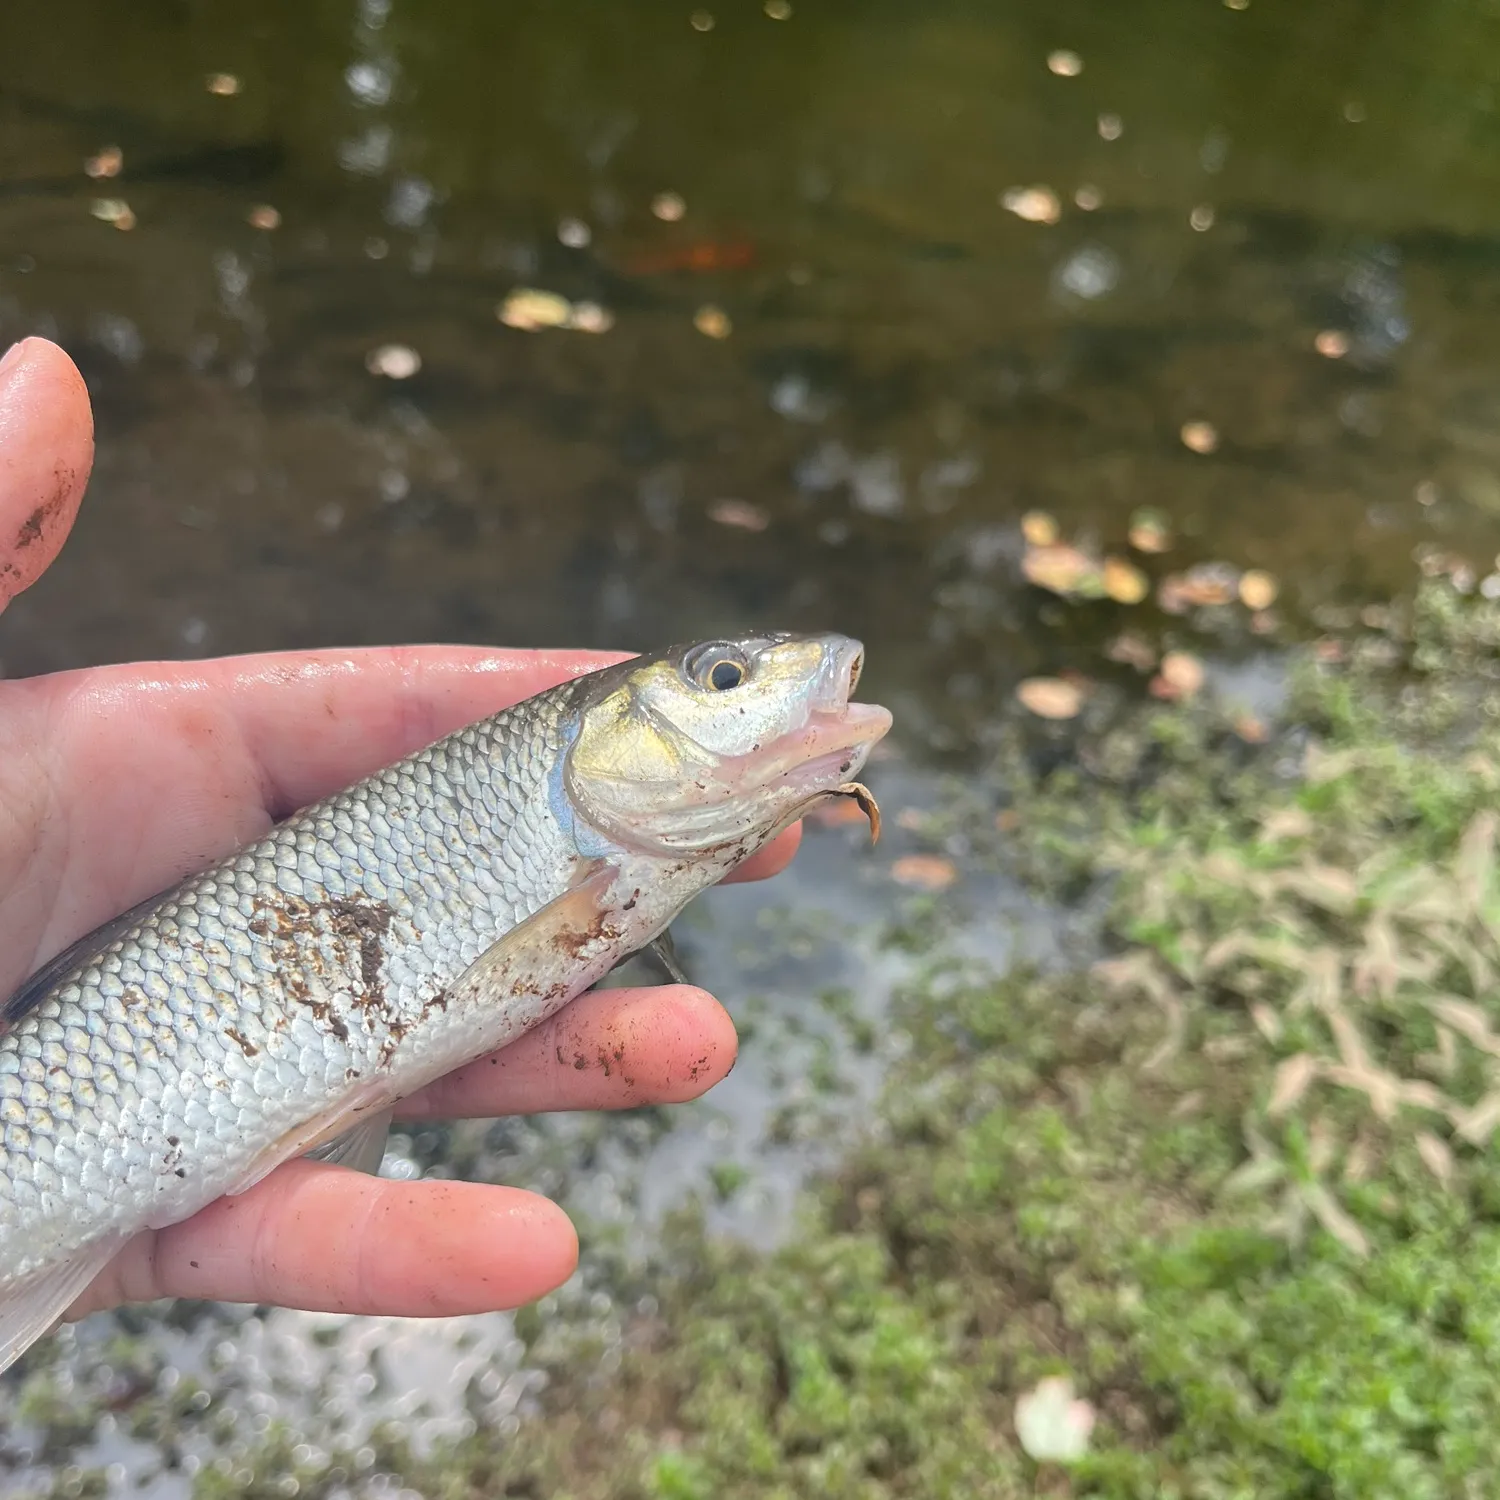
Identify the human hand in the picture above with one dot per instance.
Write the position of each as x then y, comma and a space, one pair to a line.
115, 782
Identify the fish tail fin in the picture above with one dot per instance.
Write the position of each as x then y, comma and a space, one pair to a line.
35, 1305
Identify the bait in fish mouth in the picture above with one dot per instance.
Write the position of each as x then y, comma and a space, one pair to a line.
283, 1002
662, 950
865, 799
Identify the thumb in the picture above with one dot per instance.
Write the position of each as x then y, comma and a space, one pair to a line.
46, 452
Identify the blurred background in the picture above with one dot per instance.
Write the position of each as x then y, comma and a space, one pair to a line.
1056, 349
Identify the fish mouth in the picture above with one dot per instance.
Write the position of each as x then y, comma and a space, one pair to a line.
832, 747
838, 734
668, 788
843, 661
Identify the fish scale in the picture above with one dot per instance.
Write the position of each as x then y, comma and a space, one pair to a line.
233, 1014
283, 1001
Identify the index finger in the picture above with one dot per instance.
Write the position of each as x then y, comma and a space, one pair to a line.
315, 721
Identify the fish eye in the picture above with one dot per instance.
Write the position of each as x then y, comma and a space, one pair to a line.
718, 668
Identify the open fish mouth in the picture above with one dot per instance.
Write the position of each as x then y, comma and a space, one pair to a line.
832, 746
838, 734
833, 691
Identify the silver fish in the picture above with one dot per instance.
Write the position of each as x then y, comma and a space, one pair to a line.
282, 1002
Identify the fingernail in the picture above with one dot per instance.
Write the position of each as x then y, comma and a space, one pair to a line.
13, 356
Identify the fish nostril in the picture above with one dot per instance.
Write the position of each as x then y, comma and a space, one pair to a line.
855, 668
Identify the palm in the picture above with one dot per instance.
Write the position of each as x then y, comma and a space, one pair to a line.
117, 781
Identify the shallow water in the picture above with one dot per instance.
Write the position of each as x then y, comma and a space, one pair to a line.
895, 368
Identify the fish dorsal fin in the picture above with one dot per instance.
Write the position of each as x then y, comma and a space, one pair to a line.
35, 990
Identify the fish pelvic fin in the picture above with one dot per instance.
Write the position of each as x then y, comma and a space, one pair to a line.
361, 1148
664, 951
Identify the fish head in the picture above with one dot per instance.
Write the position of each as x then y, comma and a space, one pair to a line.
721, 744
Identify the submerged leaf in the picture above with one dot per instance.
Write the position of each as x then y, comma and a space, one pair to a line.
1258, 590
1039, 529
1150, 531
1124, 582
1050, 697
1061, 569
924, 872
1181, 676
1132, 650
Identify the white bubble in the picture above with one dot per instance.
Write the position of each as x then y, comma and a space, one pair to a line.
393, 361
1089, 273
370, 83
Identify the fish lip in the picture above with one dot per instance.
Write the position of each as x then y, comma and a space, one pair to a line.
832, 746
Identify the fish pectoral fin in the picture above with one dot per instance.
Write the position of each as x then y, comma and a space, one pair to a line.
532, 971
571, 931
567, 932
361, 1149
35, 1305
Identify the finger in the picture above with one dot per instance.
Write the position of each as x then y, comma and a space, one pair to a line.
771, 860
315, 721
609, 1049
172, 765
330, 1240
46, 451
